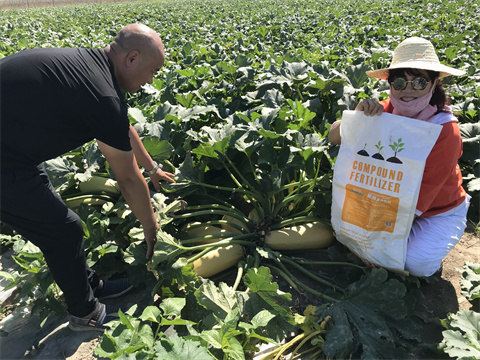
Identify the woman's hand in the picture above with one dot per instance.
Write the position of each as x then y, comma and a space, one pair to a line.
370, 107
369, 264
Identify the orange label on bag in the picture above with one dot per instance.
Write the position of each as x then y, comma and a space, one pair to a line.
370, 210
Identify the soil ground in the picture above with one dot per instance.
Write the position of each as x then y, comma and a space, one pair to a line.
57, 341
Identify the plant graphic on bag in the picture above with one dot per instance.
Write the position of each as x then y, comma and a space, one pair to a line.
378, 155
396, 147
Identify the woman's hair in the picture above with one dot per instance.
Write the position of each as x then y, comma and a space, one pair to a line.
439, 97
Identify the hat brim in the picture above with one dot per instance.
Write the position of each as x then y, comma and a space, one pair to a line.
442, 69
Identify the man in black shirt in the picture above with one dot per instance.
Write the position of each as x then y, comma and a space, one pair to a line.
52, 101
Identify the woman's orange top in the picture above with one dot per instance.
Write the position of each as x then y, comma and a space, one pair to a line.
441, 188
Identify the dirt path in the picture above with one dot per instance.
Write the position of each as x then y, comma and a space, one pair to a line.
27, 341
468, 249
445, 295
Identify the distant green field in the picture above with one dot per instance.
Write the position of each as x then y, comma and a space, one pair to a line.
241, 111
26, 4
327, 34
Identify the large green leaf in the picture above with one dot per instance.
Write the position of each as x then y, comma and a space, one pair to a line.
471, 141
463, 340
357, 75
158, 150
60, 170
178, 348
367, 319
166, 249
295, 71
273, 98
127, 335
173, 306
470, 282
259, 281
220, 300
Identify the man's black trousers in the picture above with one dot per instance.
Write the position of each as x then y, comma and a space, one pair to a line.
30, 206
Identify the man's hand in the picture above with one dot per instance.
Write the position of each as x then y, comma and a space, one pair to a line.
150, 238
370, 107
161, 175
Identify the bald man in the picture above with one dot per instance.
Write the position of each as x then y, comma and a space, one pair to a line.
53, 101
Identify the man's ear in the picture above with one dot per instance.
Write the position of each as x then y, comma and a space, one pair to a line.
132, 57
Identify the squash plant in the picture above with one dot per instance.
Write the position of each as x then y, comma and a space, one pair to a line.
461, 337
251, 180
226, 178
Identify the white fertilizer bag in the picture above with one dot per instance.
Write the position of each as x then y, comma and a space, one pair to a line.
376, 182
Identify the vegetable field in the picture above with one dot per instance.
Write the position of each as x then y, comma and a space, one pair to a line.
240, 112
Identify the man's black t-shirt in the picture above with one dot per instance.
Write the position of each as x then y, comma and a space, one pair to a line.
54, 100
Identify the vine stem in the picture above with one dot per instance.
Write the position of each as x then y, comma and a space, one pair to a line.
312, 275
200, 254
241, 270
289, 344
232, 176
214, 206
315, 354
281, 349
308, 337
295, 220
314, 262
256, 195
228, 241
245, 220
252, 168
305, 353
245, 181
285, 276
206, 237
217, 222
256, 256
224, 188
290, 199
303, 286
297, 185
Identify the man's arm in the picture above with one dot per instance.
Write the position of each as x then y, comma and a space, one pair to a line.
144, 159
134, 189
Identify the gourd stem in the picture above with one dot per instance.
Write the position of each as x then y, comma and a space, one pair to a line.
213, 212
218, 222
311, 275
295, 221
291, 198
230, 189
314, 262
284, 276
304, 340
200, 254
225, 242
241, 269
302, 285
208, 237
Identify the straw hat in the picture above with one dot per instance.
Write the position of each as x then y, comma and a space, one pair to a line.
416, 53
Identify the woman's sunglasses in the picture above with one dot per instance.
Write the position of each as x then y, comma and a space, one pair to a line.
419, 83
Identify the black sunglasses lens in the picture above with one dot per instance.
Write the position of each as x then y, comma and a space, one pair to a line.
419, 83
399, 84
